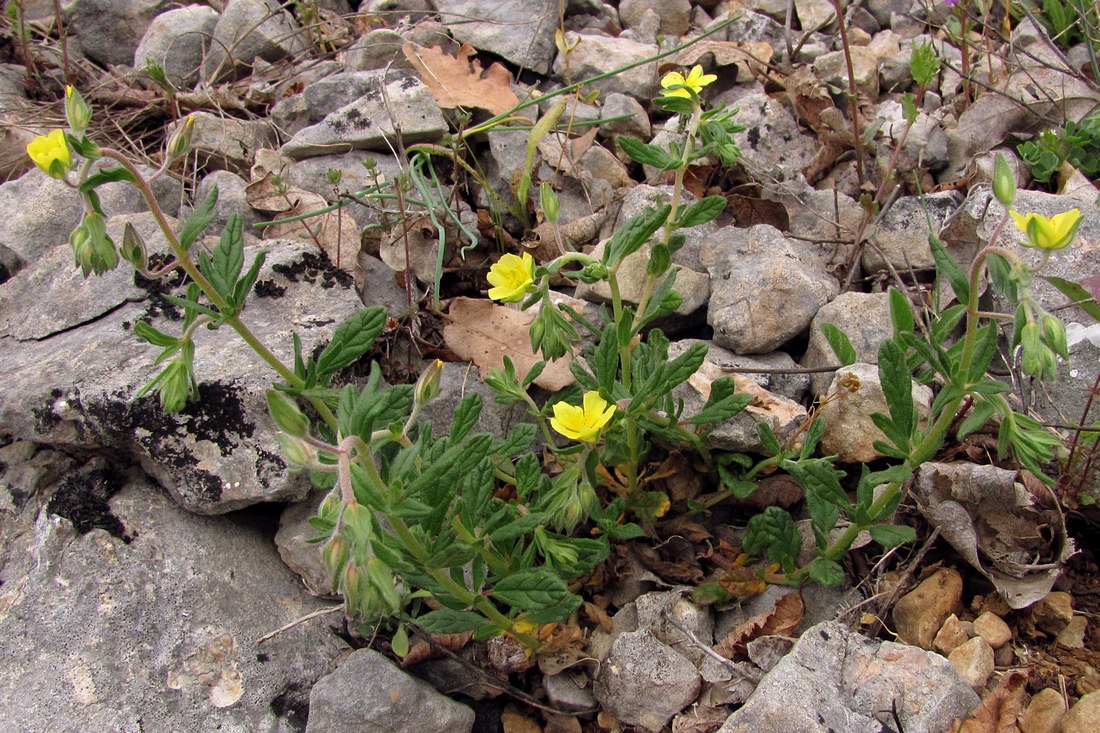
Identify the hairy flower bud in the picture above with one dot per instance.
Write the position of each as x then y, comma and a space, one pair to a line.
427, 387
77, 112
179, 144
284, 410
133, 248
1004, 182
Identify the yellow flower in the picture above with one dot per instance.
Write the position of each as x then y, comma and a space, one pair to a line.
1049, 233
695, 81
51, 154
582, 423
511, 277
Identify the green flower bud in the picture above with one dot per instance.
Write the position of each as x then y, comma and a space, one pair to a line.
549, 202
299, 453
1004, 182
175, 387
594, 272
382, 583
98, 252
427, 387
179, 144
1054, 335
284, 410
133, 248
77, 112
335, 554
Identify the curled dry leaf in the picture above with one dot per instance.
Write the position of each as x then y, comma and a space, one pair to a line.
334, 232
997, 713
993, 521
458, 81
781, 621
485, 333
423, 650
751, 57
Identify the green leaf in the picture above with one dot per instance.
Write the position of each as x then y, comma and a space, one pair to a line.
156, 338
702, 211
826, 572
634, 234
353, 338
107, 175
646, 154
1000, 276
897, 385
774, 530
450, 621
984, 351
538, 592
947, 267
900, 313
722, 403
1075, 292
519, 439
244, 285
192, 305
909, 108
768, 440
840, 344
199, 219
892, 535
465, 416
606, 361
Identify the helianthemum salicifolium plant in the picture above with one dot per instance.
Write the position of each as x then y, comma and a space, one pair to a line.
967, 398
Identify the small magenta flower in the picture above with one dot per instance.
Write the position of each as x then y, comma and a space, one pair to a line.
1048, 233
695, 81
582, 423
511, 277
51, 154
951, 3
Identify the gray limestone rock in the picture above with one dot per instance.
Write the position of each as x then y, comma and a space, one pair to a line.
900, 238
521, 31
226, 143
837, 680
636, 125
863, 317
148, 618
232, 199
394, 100
832, 68
369, 692
665, 613
596, 54
110, 30
300, 555
176, 41
762, 294
77, 387
849, 431
674, 15
644, 682
247, 30
772, 145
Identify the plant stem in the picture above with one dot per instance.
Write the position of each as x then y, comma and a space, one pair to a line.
853, 99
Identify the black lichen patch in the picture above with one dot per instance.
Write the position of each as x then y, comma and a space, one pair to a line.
45, 419
218, 417
83, 498
314, 266
269, 289
157, 306
292, 705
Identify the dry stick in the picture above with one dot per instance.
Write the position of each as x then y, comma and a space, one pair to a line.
853, 100
295, 622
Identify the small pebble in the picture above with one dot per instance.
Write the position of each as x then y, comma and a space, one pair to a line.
974, 663
1044, 712
993, 629
1084, 716
1055, 612
951, 636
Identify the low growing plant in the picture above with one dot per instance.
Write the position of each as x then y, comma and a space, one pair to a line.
1077, 143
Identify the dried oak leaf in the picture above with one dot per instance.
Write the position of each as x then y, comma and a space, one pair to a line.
781, 620
997, 713
458, 81
485, 333
422, 651
513, 721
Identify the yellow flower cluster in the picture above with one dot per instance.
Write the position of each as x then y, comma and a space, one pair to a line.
511, 277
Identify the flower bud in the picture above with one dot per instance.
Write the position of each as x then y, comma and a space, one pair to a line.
284, 410
427, 387
549, 202
133, 248
77, 112
335, 554
299, 453
1054, 335
382, 583
179, 144
594, 272
1004, 182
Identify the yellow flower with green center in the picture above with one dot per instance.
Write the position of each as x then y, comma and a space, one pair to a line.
511, 277
51, 154
1049, 232
582, 423
695, 80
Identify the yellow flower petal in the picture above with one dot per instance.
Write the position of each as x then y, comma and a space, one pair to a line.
582, 423
1048, 232
51, 153
511, 277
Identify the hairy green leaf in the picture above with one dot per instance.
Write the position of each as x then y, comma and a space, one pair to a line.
646, 154
840, 344
538, 592
949, 268
702, 211
892, 535
199, 219
353, 338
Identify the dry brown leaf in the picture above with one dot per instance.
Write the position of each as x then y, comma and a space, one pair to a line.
997, 713
562, 724
781, 620
681, 567
748, 211
700, 719
333, 232
751, 57
422, 651
742, 582
485, 333
459, 81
